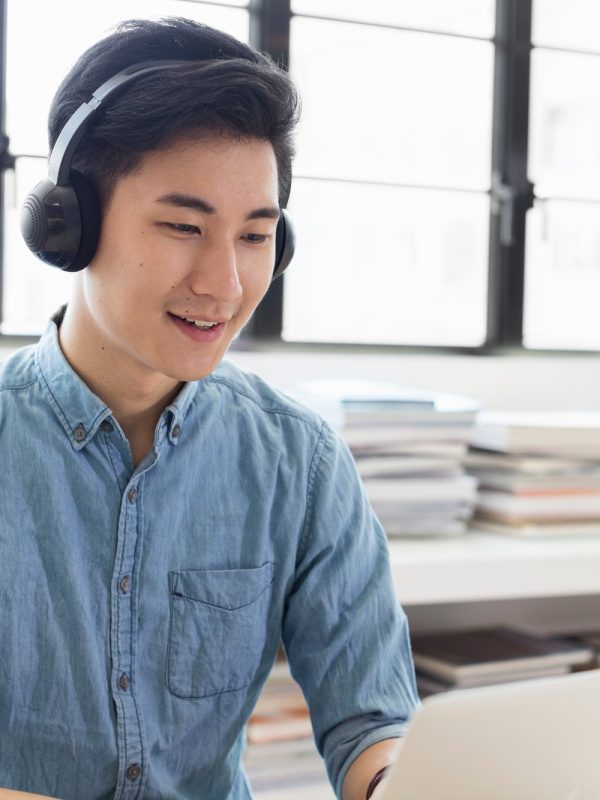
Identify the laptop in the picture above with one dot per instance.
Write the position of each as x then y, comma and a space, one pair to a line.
532, 740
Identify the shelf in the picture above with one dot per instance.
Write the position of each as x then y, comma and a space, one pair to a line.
483, 566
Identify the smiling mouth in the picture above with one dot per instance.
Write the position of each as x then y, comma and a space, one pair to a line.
196, 323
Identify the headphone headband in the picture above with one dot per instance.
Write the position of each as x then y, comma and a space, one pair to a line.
59, 167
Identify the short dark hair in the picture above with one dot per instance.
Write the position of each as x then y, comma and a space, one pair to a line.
227, 88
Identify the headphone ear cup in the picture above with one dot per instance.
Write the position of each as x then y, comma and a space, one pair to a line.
61, 224
285, 243
89, 211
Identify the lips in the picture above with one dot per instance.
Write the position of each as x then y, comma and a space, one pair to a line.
198, 333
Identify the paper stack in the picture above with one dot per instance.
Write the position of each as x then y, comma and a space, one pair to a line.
488, 656
409, 446
281, 713
538, 473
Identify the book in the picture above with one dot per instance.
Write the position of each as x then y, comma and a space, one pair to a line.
539, 484
410, 490
456, 450
528, 529
548, 506
383, 402
565, 433
497, 463
401, 465
474, 654
375, 436
425, 526
472, 682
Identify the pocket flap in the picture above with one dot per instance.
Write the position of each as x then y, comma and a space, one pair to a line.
224, 588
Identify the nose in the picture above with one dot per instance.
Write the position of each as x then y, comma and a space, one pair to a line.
215, 272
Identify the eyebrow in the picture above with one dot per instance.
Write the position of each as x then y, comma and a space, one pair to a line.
198, 204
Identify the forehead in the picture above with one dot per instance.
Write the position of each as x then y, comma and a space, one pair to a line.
227, 168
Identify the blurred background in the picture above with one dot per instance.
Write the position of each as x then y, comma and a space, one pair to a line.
446, 197
446, 185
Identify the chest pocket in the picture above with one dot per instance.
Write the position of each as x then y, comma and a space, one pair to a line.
218, 629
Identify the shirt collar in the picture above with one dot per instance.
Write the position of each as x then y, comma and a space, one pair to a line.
79, 410
178, 409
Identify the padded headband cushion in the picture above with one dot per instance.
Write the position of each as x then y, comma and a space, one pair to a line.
90, 220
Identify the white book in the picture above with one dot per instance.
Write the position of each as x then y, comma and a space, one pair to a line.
456, 450
536, 530
568, 433
459, 488
547, 506
484, 460
392, 512
390, 466
378, 402
425, 527
377, 435
529, 484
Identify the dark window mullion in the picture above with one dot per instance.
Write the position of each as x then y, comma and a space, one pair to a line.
270, 33
512, 193
4, 157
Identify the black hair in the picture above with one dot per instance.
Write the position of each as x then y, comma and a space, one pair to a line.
226, 88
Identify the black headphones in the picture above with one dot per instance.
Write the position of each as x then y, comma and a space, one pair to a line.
60, 218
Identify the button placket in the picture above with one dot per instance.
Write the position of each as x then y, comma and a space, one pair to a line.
123, 638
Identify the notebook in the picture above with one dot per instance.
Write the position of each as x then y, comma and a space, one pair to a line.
530, 740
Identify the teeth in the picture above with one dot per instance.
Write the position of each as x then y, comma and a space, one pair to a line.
199, 323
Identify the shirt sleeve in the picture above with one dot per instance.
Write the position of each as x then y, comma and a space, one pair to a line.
344, 632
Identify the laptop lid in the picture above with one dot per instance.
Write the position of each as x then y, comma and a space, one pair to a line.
531, 740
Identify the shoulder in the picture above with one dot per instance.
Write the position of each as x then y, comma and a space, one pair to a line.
18, 372
257, 397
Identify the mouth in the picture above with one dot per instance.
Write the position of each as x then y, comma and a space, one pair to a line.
203, 324
200, 330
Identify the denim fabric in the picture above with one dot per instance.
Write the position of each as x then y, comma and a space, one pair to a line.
141, 609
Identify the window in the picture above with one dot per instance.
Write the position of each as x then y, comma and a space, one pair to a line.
562, 278
445, 192
390, 195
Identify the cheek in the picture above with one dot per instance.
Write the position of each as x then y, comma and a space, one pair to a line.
256, 286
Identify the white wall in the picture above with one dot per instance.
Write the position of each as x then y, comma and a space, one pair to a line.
506, 382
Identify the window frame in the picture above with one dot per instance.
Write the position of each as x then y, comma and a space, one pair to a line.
511, 193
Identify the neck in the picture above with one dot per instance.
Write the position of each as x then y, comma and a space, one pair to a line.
137, 396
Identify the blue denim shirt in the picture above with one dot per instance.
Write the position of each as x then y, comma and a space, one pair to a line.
141, 609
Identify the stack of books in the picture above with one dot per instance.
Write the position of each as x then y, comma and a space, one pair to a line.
538, 473
409, 446
281, 713
446, 661
588, 638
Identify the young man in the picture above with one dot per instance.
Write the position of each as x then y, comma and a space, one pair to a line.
166, 518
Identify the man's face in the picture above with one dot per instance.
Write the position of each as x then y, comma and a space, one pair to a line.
189, 234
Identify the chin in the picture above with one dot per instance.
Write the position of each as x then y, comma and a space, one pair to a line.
193, 372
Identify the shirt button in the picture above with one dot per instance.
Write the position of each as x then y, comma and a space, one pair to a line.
176, 431
132, 494
106, 426
125, 583
79, 433
124, 682
133, 772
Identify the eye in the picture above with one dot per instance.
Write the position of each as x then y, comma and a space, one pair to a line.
181, 227
256, 238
